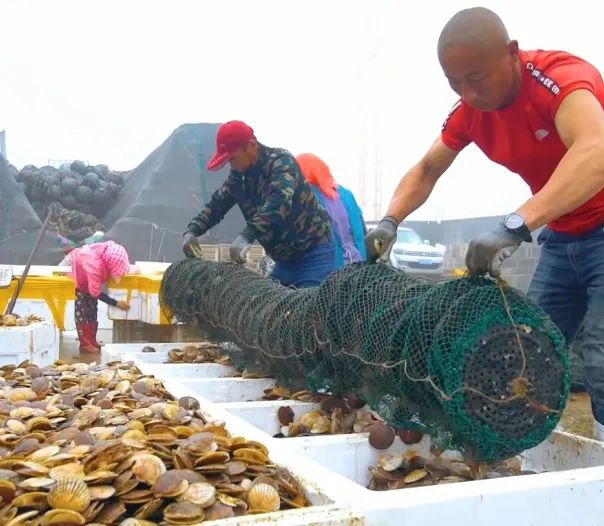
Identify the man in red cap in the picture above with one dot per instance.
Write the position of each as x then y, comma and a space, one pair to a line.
280, 209
540, 114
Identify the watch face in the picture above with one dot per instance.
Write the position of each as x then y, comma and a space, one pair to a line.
514, 221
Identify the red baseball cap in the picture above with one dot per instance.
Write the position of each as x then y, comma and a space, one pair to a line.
230, 137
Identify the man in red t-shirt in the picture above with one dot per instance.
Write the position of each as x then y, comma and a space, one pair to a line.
540, 114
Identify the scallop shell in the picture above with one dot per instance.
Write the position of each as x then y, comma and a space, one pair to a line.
381, 436
213, 457
45, 453
67, 471
171, 411
170, 484
100, 477
36, 483
135, 434
218, 511
415, 476
39, 423
21, 412
200, 493
40, 385
7, 491
188, 403
309, 419
321, 425
16, 426
391, 462
56, 517
175, 355
182, 512
101, 492
69, 494
250, 456
111, 512
285, 415
31, 469
35, 499
148, 468
263, 498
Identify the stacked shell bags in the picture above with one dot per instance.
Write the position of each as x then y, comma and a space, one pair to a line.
85, 191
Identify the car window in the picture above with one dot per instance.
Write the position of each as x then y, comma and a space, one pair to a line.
408, 236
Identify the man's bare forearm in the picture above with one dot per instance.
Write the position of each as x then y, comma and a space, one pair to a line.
412, 192
417, 184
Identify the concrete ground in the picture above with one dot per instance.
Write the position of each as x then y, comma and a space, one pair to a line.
69, 349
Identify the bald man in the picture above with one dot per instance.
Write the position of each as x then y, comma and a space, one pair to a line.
539, 114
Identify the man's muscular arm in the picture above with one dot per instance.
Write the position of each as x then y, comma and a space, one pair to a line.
417, 184
580, 174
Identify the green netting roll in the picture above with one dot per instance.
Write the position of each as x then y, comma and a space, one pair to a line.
479, 367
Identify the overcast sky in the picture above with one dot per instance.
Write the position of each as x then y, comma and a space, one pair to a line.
108, 81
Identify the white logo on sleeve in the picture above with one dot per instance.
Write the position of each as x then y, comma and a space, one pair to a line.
541, 134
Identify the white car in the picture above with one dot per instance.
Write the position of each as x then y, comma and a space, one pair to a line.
415, 255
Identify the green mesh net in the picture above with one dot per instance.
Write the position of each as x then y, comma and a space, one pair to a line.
476, 365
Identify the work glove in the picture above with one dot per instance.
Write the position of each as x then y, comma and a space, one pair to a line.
488, 251
379, 241
241, 246
190, 245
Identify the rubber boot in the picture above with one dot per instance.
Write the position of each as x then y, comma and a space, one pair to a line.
94, 330
598, 431
84, 334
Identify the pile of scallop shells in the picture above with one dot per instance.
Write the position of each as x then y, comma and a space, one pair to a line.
205, 352
14, 320
103, 444
410, 470
335, 415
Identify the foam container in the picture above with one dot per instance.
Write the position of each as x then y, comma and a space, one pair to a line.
334, 469
38, 342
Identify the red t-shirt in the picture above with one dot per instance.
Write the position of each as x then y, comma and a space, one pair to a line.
523, 137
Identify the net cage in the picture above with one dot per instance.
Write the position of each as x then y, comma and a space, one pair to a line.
475, 364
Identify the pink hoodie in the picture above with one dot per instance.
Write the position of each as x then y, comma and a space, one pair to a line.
93, 265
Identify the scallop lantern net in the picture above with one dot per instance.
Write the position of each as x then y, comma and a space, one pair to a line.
475, 364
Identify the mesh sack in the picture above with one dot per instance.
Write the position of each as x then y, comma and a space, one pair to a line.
473, 363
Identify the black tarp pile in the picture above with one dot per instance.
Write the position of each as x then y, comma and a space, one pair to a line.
75, 186
20, 225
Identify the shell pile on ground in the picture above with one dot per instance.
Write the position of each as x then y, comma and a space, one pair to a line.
103, 444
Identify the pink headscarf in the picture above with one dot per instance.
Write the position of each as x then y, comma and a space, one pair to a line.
93, 265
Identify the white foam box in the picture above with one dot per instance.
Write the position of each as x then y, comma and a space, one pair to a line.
219, 390
568, 494
38, 342
186, 370
136, 304
125, 351
151, 311
263, 414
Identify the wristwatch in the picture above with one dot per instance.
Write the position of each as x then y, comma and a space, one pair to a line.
515, 223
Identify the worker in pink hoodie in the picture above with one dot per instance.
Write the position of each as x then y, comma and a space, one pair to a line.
91, 267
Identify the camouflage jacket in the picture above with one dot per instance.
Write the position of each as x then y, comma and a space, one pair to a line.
278, 205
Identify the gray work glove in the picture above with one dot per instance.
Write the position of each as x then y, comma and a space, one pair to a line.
241, 246
379, 241
190, 245
488, 251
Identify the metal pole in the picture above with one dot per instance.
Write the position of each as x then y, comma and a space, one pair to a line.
11, 305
